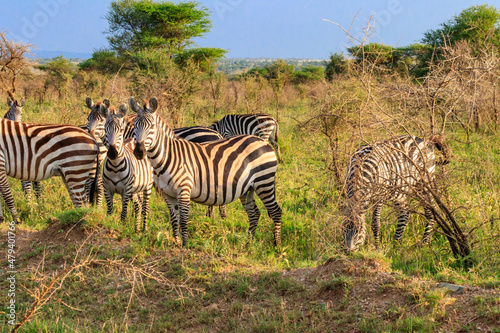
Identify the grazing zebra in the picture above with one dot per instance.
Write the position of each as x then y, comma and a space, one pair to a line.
123, 173
200, 134
15, 113
261, 125
212, 173
34, 152
392, 170
95, 126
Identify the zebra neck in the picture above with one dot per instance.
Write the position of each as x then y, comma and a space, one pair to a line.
160, 146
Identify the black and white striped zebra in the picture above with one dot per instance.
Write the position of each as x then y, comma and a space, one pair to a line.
15, 113
393, 170
200, 134
122, 172
212, 173
262, 125
34, 152
95, 126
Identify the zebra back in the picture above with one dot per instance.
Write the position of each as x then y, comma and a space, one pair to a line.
198, 134
262, 125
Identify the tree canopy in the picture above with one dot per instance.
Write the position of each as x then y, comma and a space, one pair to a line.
478, 25
144, 24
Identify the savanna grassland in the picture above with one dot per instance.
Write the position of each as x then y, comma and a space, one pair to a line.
84, 271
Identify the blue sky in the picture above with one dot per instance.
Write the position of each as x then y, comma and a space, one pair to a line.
247, 28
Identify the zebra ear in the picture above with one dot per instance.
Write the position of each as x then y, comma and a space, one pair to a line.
104, 109
153, 104
133, 105
89, 102
21, 104
122, 110
106, 101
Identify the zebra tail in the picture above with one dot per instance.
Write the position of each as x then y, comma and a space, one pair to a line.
276, 132
443, 148
95, 182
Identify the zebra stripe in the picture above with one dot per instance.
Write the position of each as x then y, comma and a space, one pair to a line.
392, 170
34, 152
123, 173
15, 113
261, 125
200, 134
212, 173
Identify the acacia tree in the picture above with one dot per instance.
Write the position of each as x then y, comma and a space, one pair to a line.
136, 25
13, 63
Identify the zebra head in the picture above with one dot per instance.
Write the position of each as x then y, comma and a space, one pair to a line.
144, 125
15, 109
353, 230
114, 128
95, 124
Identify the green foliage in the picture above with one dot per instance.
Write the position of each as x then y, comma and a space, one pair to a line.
309, 73
477, 25
59, 74
103, 61
144, 24
204, 57
337, 65
157, 74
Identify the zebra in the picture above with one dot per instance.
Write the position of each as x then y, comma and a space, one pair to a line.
95, 126
34, 152
15, 113
123, 173
262, 125
200, 134
212, 173
392, 170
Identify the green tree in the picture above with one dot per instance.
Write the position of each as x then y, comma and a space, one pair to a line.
309, 73
59, 74
143, 24
204, 57
479, 25
336, 65
103, 61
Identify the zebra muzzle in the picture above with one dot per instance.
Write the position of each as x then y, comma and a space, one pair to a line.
112, 152
139, 150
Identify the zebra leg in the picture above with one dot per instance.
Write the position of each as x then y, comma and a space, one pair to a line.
145, 208
248, 201
126, 196
222, 211
173, 206
26, 185
376, 223
137, 211
429, 226
100, 191
403, 217
7, 196
76, 189
184, 200
210, 211
37, 189
273, 209
109, 200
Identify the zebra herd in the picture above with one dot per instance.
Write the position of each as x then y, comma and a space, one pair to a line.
234, 158
205, 167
